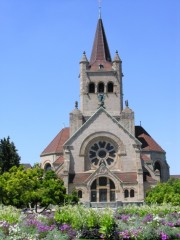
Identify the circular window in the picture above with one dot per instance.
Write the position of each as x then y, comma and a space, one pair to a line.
102, 150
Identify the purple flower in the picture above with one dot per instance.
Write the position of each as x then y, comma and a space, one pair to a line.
135, 232
148, 218
68, 230
170, 224
124, 218
124, 234
64, 227
177, 224
164, 236
43, 228
178, 235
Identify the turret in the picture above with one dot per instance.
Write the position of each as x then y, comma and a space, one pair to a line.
117, 66
127, 119
76, 119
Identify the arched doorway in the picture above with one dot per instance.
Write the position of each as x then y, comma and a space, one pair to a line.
103, 190
157, 166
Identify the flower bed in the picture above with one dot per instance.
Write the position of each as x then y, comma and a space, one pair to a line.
78, 222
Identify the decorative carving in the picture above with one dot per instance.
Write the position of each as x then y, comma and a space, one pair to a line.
101, 98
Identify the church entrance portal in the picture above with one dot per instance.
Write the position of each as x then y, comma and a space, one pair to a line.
103, 190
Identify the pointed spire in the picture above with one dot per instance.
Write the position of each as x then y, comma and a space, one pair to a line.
84, 58
117, 58
100, 50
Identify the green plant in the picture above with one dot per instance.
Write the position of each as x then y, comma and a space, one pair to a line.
107, 223
9, 214
56, 235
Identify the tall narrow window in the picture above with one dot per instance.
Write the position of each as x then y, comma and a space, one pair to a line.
131, 193
79, 194
110, 87
126, 193
92, 88
101, 87
94, 191
112, 191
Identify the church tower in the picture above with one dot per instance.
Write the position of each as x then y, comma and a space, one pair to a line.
101, 78
102, 154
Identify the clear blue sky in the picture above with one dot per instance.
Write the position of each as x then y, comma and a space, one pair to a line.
41, 44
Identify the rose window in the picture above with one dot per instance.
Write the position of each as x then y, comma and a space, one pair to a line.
102, 151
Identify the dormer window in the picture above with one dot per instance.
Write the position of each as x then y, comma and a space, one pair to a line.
101, 87
92, 88
110, 87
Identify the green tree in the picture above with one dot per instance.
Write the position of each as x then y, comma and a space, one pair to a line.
168, 192
32, 187
8, 155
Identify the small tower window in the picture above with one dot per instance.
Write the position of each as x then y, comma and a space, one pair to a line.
101, 87
126, 193
131, 193
47, 167
91, 88
110, 87
79, 194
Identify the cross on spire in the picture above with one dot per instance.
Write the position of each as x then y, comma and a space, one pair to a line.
99, 9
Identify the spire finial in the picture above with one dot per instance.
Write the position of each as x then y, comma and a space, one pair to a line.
99, 9
126, 103
76, 104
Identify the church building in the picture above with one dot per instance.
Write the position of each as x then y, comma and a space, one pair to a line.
102, 154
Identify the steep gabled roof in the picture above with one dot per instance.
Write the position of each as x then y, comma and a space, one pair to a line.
60, 160
148, 143
92, 119
78, 177
128, 177
100, 51
145, 158
56, 145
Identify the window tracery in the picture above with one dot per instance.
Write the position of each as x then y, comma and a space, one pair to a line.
102, 151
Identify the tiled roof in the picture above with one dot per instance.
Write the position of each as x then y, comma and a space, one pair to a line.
148, 143
145, 158
78, 177
59, 160
100, 52
56, 146
130, 177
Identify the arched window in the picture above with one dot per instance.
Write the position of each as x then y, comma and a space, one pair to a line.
104, 188
94, 191
91, 87
112, 191
79, 194
110, 87
131, 193
101, 87
47, 167
126, 193
157, 166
